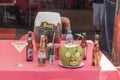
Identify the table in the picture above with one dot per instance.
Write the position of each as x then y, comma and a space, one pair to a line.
108, 71
31, 71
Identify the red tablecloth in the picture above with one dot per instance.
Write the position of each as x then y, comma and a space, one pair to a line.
31, 71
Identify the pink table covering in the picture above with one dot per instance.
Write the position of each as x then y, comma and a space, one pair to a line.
108, 71
31, 71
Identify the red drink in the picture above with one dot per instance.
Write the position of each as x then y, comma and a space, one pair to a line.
57, 51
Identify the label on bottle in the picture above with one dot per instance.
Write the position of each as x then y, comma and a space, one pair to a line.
69, 41
30, 53
41, 57
52, 59
69, 38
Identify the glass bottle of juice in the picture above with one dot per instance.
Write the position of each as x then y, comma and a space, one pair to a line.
29, 47
96, 52
97, 56
29, 50
42, 52
93, 54
84, 45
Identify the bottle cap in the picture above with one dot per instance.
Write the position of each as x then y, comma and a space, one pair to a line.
97, 37
29, 32
84, 33
69, 31
29, 38
42, 35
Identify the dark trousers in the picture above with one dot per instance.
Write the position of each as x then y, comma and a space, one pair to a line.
1, 15
15, 11
78, 3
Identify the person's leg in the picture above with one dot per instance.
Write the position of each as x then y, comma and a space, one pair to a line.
1, 15
16, 11
81, 3
76, 3
96, 17
95, 14
18, 15
102, 12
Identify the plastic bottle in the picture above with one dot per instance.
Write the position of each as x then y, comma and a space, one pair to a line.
42, 52
69, 37
96, 52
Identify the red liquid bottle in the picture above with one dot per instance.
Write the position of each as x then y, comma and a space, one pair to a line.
96, 52
42, 52
84, 45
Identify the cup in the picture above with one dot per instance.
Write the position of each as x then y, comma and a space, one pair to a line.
57, 51
50, 51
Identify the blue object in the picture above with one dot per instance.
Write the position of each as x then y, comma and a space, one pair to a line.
50, 52
69, 37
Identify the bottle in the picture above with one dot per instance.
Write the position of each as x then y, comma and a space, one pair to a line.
29, 34
96, 55
93, 54
50, 50
42, 52
29, 50
96, 52
69, 37
84, 45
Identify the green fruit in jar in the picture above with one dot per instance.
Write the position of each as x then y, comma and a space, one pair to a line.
70, 55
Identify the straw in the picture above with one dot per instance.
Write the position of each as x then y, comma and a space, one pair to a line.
53, 38
79, 35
